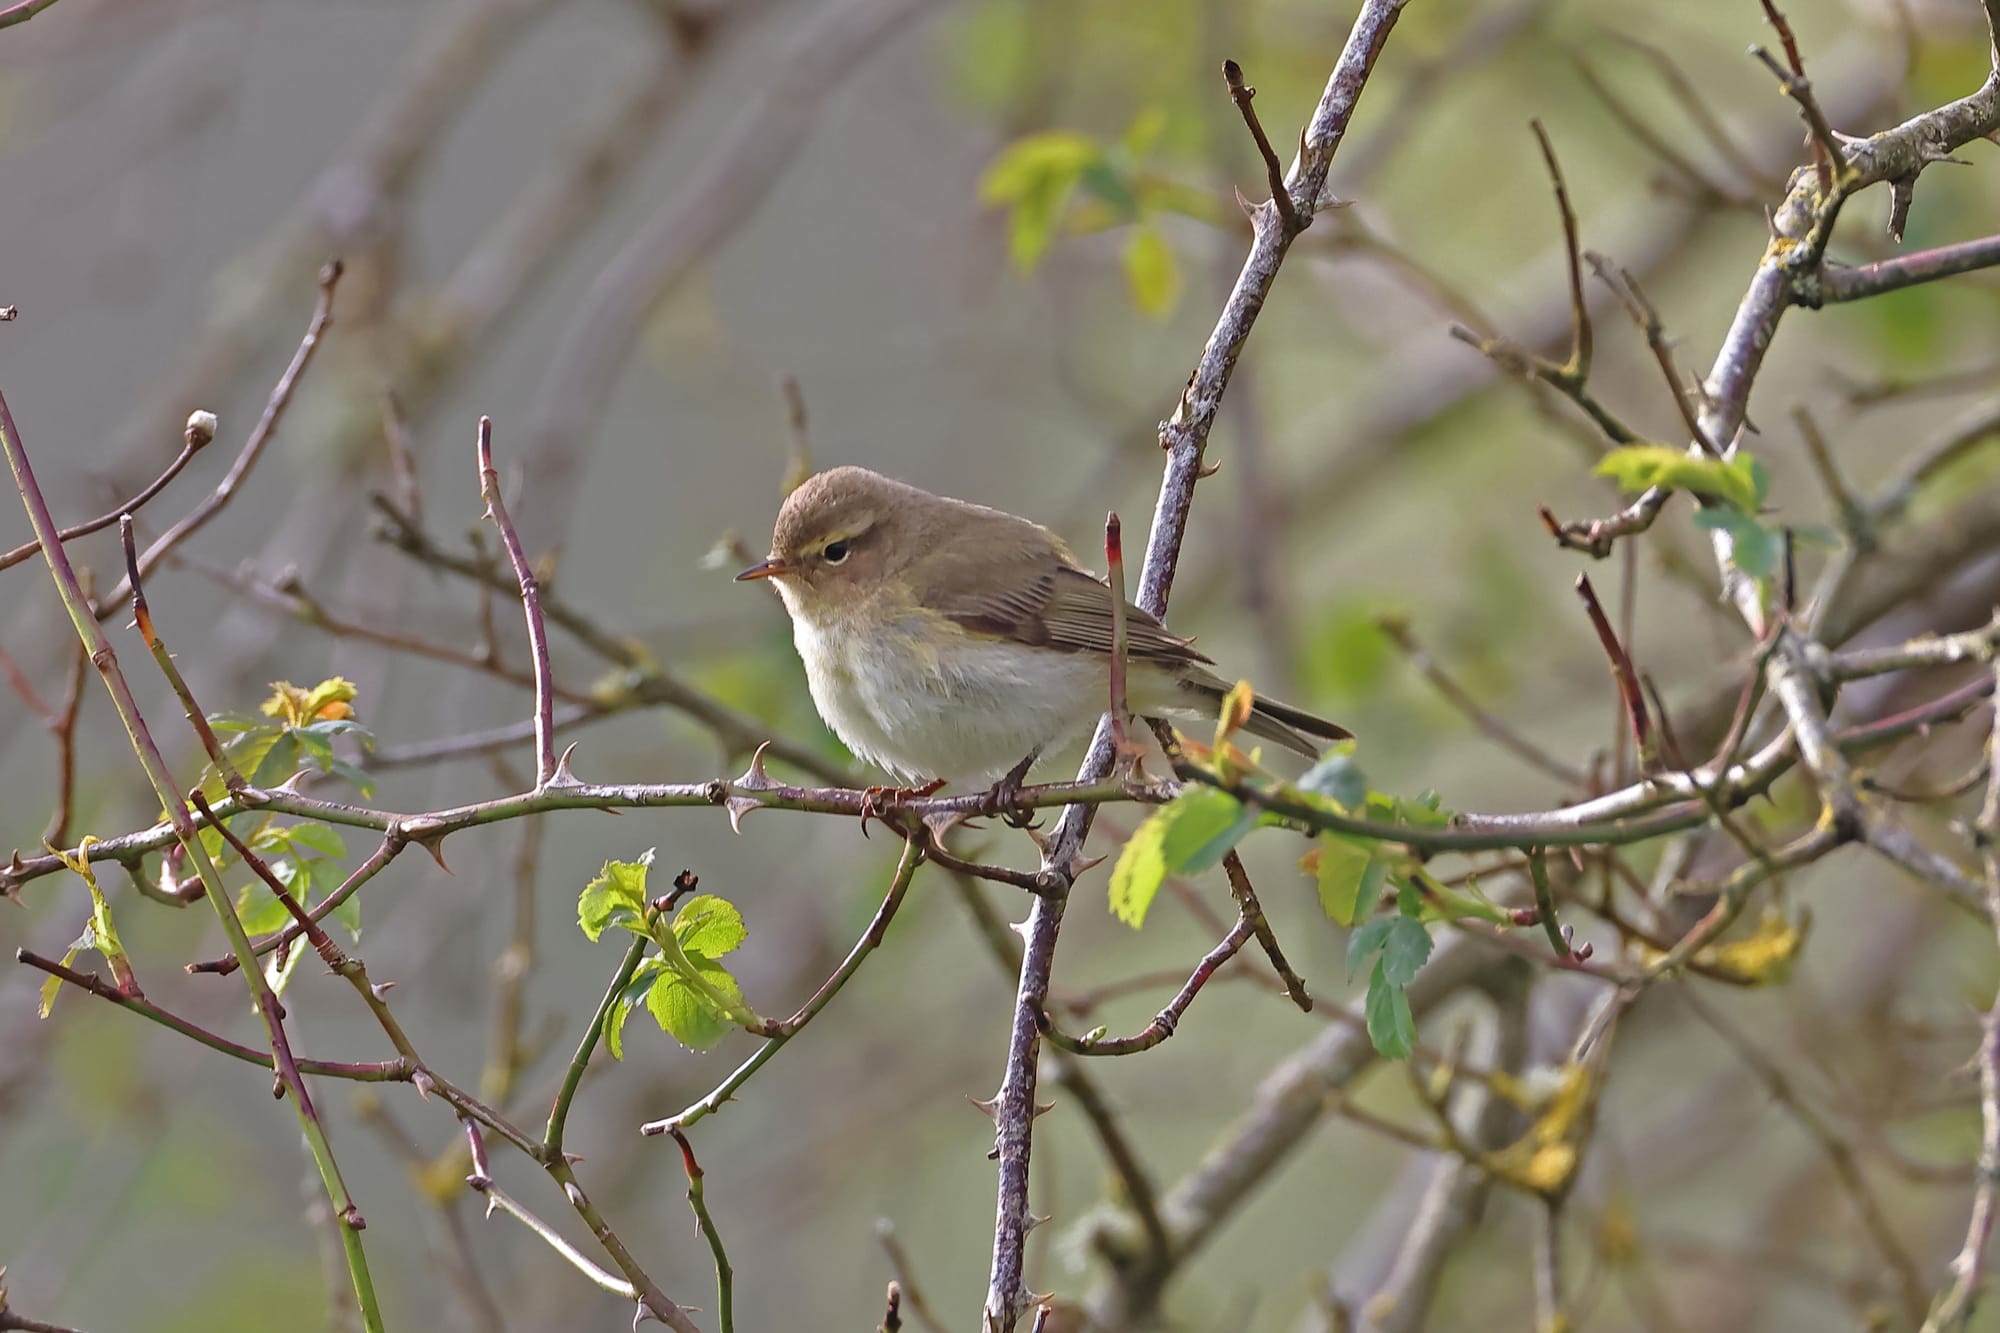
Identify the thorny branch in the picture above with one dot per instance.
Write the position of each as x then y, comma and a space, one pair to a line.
1184, 437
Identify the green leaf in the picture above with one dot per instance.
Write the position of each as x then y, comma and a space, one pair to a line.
52, 988
1035, 175
688, 1012
1202, 824
644, 977
1338, 778
1349, 874
352, 776
1151, 270
1368, 938
1104, 181
709, 926
617, 897
318, 838
614, 1026
1760, 482
317, 747
1391, 1026
1446, 904
1638, 467
1141, 869
1404, 950
1144, 132
1022, 165
259, 908
1755, 549
328, 876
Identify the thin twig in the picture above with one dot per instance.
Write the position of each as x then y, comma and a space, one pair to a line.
552, 1134
253, 447
781, 1032
1647, 316
1252, 912
905, 1284
531, 605
1114, 560
1168, 1019
1578, 365
1889, 275
1954, 1307
498, 1200
1621, 668
64, 727
1242, 94
1826, 148
142, 619
725, 1304
20, 12
200, 430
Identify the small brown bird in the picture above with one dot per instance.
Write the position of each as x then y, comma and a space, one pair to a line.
947, 640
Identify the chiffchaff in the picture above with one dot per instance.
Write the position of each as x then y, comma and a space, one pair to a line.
947, 640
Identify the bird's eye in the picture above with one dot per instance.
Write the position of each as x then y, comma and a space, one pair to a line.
835, 552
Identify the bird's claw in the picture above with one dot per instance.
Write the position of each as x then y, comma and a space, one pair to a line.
1001, 797
881, 802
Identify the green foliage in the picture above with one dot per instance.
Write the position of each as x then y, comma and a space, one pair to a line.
1392, 1028
690, 995
1033, 178
302, 728
1739, 480
1344, 654
1403, 945
99, 932
617, 897
1338, 778
306, 858
1150, 270
1065, 179
1348, 873
1190, 834
1756, 549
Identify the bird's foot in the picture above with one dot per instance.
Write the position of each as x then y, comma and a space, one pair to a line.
881, 802
1001, 797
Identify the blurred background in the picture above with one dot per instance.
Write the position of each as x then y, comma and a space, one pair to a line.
984, 240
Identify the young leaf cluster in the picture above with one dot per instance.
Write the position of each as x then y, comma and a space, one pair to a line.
688, 992
99, 932
1068, 179
302, 727
1194, 831
1735, 486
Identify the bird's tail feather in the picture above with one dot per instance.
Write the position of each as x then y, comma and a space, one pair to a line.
1290, 727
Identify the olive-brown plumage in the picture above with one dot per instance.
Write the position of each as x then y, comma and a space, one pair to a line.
943, 639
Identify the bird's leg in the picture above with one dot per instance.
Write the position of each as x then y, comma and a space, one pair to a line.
879, 802
1002, 795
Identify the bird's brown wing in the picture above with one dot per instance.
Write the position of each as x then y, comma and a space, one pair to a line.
1048, 604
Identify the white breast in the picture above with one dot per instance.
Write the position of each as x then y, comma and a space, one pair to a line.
967, 712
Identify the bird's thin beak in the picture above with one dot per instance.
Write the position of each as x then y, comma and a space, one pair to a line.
768, 569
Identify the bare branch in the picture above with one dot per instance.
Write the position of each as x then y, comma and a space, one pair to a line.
253, 447
1888, 275
546, 771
